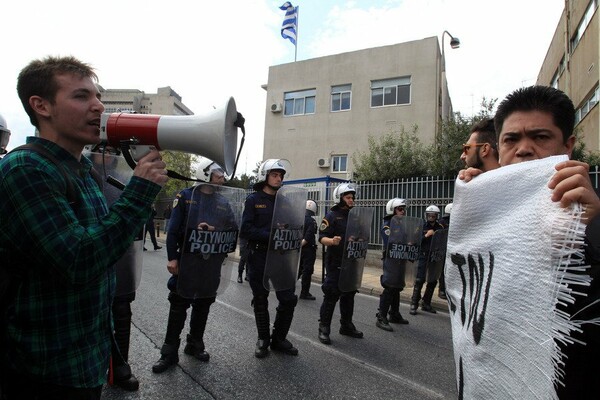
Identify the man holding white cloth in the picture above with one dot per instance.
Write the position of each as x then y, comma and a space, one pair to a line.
520, 305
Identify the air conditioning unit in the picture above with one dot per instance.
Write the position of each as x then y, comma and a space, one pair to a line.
276, 107
323, 162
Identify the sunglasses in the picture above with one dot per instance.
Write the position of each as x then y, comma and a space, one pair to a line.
467, 147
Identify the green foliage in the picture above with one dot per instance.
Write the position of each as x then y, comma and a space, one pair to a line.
244, 181
401, 154
180, 163
580, 152
394, 155
444, 154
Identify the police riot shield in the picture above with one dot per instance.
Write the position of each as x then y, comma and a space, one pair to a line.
211, 232
114, 172
402, 251
437, 255
285, 240
356, 243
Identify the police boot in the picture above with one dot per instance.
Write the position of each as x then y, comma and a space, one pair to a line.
305, 292
394, 315
281, 327
396, 318
327, 309
347, 328
383, 323
346, 311
168, 357
442, 291
261, 315
195, 348
416, 296
324, 331
426, 302
195, 341
120, 371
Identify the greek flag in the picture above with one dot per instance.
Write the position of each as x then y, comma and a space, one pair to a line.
290, 22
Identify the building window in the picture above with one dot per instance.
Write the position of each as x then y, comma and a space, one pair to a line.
389, 92
554, 82
585, 21
341, 96
588, 104
339, 163
300, 103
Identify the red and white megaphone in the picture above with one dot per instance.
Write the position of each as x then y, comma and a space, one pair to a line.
212, 135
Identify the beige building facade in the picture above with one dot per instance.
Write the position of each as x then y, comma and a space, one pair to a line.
320, 112
572, 64
164, 102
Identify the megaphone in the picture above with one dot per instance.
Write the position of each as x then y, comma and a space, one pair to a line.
212, 135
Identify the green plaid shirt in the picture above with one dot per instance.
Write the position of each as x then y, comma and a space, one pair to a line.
59, 323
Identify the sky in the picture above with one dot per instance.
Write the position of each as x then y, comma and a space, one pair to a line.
208, 51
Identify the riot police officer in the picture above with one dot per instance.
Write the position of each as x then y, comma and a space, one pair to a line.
389, 300
108, 161
256, 227
309, 250
431, 225
209, 172
332, 233
445, 221
4, 135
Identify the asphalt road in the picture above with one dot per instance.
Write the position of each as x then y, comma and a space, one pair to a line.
413, 362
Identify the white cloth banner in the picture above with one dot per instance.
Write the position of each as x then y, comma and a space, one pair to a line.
508, 264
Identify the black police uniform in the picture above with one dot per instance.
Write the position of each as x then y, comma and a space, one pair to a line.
334, 224
178, 304
445, 221
422, 272
256, 227
308, 255
389, 300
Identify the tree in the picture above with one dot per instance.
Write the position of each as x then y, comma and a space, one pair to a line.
394, 155
581, 153
182, 164
443, 156
244, 181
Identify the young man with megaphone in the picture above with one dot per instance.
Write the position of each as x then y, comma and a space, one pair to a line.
58, 324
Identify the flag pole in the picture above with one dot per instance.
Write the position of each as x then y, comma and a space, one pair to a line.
297, 30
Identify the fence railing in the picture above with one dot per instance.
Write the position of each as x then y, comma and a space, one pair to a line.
419, 192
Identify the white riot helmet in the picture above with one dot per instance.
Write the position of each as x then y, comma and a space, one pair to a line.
448, 209
269, 165
311, 206
392, 204
341, 190
4, 135
432, 210
206, 168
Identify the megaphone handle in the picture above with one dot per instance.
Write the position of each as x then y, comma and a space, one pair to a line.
128, 157
239, 122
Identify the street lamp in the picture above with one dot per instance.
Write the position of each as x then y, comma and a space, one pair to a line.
455, 44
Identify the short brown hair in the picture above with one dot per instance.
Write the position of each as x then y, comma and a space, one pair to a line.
37, 79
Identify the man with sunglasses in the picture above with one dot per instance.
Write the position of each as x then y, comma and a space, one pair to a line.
481, 151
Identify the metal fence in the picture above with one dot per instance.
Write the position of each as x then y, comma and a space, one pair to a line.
419, 192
